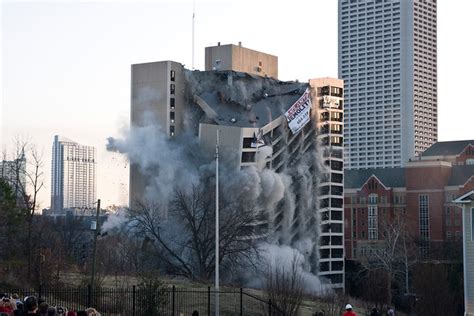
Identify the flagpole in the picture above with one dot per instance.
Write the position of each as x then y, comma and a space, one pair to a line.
217, 224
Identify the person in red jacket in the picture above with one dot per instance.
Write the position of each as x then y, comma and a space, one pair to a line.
349, 311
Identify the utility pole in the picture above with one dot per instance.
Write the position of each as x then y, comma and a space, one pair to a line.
217, 223
96, 232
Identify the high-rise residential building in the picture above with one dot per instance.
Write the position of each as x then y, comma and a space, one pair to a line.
73, 175
388, 61
13, 172
290, 128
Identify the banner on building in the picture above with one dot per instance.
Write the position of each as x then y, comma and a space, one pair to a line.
298, 115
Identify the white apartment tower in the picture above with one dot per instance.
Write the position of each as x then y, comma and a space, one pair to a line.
73, 175
387, 59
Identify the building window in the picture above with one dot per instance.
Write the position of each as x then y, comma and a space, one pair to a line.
172, 75
171, 130
373, 199
248, 156
172, 100
172, 117
172, 88
373, 222
424, 221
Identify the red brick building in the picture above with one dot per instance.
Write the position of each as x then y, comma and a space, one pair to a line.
422, 192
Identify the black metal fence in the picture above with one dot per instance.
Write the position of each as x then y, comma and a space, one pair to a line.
137, 301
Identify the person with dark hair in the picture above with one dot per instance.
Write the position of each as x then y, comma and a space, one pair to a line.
30, 305
52, 311
81, 313
43, 309
375, 312
195, 313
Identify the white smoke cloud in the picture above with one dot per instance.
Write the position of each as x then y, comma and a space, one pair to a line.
288, 197
282, 257
115, 220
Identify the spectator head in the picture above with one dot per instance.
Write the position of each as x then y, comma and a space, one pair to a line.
52, 311
19, 305
31, 304
82, 313
61, 311
195, 313
16, 296
348, 307
71, 313
43, 308
5, 303
92, 312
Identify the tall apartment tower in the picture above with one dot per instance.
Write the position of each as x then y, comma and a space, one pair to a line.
388, 61
328, 94
252, 111
73, 176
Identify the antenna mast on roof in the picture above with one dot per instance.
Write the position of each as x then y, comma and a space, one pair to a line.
194, 9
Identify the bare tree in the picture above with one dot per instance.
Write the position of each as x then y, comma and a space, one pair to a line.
182, 235
285, 286
332, 302
395, 254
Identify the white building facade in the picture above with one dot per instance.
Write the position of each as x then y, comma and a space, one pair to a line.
388, 61
73, 175
467, 202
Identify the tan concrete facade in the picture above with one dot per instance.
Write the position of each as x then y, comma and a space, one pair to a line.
238, 58
157, 97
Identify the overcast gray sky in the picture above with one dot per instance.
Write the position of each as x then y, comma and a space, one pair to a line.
66, 64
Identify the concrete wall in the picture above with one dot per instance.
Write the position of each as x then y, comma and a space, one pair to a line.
238, 58
151, 105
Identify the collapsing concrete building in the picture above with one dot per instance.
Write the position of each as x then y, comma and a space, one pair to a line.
291, 131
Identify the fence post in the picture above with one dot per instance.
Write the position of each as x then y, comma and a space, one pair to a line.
241, 302
133, 300
174, 292
89, 295
208, 301
269, 307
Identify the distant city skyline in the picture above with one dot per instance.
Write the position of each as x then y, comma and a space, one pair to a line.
66, 65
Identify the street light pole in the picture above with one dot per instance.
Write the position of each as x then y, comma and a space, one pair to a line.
217, 224
96, 231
